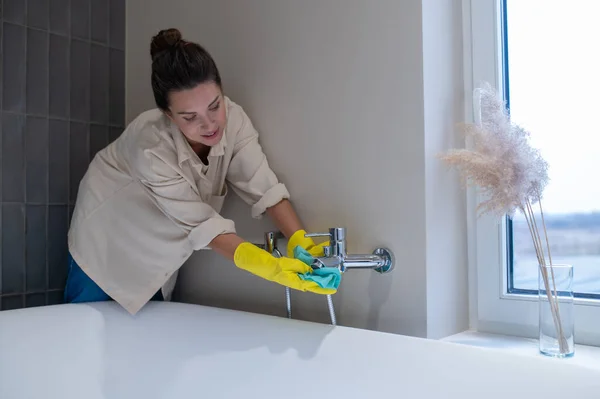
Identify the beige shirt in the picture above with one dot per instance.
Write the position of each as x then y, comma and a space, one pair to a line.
147, 202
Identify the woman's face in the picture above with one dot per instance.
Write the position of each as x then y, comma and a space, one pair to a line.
199, 113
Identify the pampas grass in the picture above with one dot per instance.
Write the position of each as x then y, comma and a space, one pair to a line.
512, 177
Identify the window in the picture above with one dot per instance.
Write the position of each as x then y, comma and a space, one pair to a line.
550, 75
541, 56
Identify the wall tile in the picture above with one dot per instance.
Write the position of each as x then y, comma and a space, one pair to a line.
13, 67
1, 169
98, 139
80, 19
60, 21
38, 13
36, 160
59, 76
58, 250
117, 87
0, 252
80, 80
58, 162
37, 72
114, 133
33, 300
12, 302
100, 21
55, 297
1, 58
79, 156
14, 11
71, 210
13, 158
35, 242
62, 99
13, 248
99, 84
117, 24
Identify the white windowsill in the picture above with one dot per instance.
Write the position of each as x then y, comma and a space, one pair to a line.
585, 356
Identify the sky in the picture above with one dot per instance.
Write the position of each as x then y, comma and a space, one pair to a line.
554, 81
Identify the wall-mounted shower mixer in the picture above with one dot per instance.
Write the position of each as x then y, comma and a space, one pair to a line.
381, 260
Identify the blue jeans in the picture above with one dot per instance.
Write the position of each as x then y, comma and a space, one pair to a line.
81, 288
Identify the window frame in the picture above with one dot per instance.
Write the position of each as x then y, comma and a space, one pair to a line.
491, 307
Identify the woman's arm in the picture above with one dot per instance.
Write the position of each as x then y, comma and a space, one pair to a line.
226, 244
285, 218
282, 214
287, 221
254, 181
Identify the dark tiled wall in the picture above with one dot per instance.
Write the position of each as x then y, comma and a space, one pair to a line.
62, 95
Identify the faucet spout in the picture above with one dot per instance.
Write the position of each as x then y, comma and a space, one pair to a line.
381, 260
349, 262
358, 261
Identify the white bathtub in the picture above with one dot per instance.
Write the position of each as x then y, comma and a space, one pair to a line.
172, 350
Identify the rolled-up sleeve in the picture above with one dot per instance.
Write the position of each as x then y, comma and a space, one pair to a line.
250, 175
183, 205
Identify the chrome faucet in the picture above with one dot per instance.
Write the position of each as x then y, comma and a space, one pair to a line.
381, 260
335, 255
271, 243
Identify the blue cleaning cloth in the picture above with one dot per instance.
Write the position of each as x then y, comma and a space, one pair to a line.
326, 277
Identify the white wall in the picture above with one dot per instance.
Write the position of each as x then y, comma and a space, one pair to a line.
352, 99
447, 288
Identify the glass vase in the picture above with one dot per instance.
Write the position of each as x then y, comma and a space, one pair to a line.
556, 323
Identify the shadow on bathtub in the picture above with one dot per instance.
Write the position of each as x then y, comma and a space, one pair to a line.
164, 330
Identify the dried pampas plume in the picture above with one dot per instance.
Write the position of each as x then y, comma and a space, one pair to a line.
512, 176
502, 163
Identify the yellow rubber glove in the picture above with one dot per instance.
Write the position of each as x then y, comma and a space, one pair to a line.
283, 271
298, 239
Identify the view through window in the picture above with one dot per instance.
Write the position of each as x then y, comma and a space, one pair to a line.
553, 87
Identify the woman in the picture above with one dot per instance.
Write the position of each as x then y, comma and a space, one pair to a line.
154, 195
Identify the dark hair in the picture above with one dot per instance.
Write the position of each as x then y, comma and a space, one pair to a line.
178, 65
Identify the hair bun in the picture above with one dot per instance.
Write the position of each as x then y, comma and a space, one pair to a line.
164, 40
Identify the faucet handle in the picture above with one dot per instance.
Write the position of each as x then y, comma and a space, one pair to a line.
335, 234
337, 241
270, 239
311, 235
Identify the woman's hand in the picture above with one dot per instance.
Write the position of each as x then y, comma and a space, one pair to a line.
249, 257
299, 240
284, 271
287, 221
